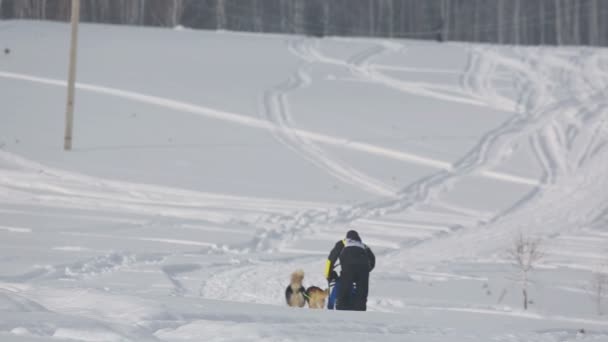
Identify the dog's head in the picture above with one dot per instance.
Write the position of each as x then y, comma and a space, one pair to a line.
297, 277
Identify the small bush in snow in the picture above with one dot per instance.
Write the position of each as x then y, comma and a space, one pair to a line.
525, 255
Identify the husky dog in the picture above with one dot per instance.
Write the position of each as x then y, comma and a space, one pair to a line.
315, 297
295, 293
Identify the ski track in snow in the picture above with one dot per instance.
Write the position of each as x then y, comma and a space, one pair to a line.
255, 123
276, 110
60, 187
542, 123
414, 194
236, 119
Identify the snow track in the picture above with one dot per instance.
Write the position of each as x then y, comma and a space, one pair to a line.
234, 118
66, 189
552, 123
276, 110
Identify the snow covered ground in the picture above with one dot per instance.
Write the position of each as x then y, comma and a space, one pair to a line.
209, 166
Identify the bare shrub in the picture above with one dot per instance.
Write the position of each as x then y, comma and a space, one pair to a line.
525, 254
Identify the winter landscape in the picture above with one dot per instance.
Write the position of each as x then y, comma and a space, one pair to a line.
208, 166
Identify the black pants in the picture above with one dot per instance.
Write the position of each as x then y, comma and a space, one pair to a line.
359, 275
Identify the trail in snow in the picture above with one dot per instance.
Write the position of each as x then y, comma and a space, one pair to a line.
276, 110
253, 122
360, 66
420, 192
561, 131
59, 188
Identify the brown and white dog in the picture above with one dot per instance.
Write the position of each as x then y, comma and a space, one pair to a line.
316, 297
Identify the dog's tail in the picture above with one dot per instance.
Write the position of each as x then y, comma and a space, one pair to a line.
297, 277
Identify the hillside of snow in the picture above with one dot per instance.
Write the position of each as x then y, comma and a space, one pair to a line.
208, 166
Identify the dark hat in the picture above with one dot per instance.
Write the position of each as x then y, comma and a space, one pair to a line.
353, 235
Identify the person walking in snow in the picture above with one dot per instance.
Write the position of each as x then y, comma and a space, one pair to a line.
356, 261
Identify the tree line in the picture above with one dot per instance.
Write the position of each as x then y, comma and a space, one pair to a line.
530, 22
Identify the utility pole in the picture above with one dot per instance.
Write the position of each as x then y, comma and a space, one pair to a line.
69, 111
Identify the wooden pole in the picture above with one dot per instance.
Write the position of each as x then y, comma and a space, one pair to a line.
69, 112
